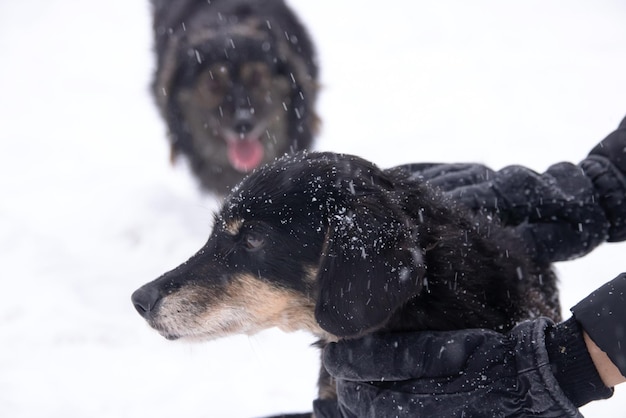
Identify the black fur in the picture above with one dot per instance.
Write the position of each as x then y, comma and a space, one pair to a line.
231, 71
386, 242
359, 250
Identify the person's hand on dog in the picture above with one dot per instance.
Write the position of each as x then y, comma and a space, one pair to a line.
537, 369
446, 374
450, 177
561, 214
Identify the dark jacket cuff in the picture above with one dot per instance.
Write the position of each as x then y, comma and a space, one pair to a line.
572, 365
602, 315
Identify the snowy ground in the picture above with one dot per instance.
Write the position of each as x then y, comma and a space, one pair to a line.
90, 208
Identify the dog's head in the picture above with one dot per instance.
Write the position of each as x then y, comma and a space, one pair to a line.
237, 87
314, 241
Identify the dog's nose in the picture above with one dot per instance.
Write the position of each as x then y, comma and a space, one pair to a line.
145, 299
243, 122
243, 126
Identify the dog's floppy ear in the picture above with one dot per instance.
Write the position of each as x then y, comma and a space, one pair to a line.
370, 266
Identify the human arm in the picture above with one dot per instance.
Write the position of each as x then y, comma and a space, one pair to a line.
538, 368
602, 315
561, 214
448, 374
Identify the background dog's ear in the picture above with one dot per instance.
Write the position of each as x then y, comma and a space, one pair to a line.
370, 266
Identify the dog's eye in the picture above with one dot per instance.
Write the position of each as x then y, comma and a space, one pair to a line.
253, 241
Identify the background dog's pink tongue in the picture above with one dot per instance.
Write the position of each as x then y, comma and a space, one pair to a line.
245, 154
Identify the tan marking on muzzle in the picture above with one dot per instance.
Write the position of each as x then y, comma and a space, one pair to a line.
248, 305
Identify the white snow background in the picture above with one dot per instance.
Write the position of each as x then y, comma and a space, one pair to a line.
90, 208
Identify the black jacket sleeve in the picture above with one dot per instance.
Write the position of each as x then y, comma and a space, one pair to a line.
471, 373
603, 315
537, 369
561, 214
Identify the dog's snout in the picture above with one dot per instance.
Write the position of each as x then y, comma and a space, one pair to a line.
145, 299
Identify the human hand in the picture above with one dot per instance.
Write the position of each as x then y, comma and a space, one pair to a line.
471, 373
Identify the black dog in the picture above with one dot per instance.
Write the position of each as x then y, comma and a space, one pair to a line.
236, 82
331, 244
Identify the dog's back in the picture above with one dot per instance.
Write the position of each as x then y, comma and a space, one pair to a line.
474, 260
441, 267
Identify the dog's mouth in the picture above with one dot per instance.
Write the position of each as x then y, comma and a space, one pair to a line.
245, 151
218, 324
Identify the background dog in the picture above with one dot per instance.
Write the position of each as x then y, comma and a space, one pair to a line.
236, 83
332, 244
